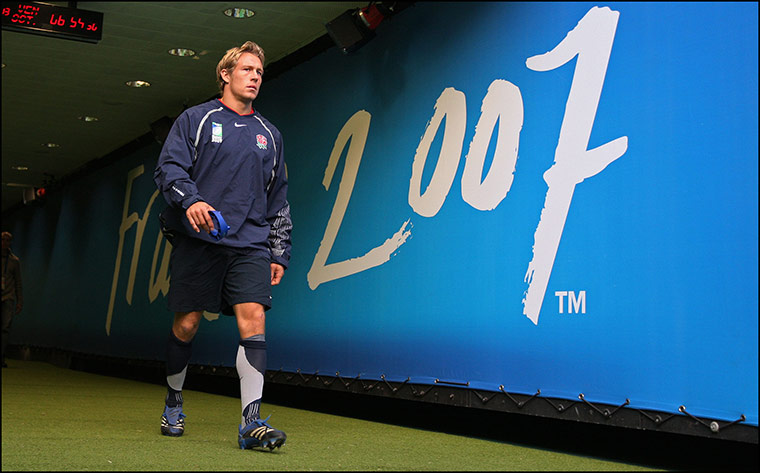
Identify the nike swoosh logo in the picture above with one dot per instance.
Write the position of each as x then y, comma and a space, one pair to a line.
239, 125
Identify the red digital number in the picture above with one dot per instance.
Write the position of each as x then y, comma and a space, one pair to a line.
60, 21
76, 23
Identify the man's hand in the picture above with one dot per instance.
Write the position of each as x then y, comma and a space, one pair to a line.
197, 215
277, 272
18, 308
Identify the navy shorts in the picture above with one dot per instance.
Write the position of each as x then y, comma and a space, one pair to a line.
205, 276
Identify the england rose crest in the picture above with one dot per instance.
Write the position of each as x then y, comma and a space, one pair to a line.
261, 142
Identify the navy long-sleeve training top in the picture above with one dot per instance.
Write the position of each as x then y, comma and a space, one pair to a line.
235, 164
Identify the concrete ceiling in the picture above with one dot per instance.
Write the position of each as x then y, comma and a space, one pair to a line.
48, 83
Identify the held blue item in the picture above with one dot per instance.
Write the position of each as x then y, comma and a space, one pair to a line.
220, 226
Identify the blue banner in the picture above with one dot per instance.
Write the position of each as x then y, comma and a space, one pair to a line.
553, 196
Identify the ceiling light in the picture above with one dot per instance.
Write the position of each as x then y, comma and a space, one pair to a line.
239, 12
16, 184
137, 83
87, 118
19, 168
181, 52
51, 145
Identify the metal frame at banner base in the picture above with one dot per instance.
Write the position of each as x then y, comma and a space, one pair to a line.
441, 392
581, 410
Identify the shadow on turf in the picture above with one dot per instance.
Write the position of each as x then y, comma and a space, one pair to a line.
644, 448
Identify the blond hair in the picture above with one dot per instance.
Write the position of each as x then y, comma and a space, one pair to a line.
231, 57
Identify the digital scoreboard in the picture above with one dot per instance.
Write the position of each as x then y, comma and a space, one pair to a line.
52, 20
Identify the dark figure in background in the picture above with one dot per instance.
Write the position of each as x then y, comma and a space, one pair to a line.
224, 155
13, 298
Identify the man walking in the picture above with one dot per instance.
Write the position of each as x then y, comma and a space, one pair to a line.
221, 170
13, 299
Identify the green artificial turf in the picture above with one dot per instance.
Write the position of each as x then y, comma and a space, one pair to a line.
55, 419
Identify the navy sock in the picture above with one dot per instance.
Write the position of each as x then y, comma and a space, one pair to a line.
251, 366
177, 356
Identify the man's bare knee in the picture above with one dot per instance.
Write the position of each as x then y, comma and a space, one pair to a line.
186, 325
251, 319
